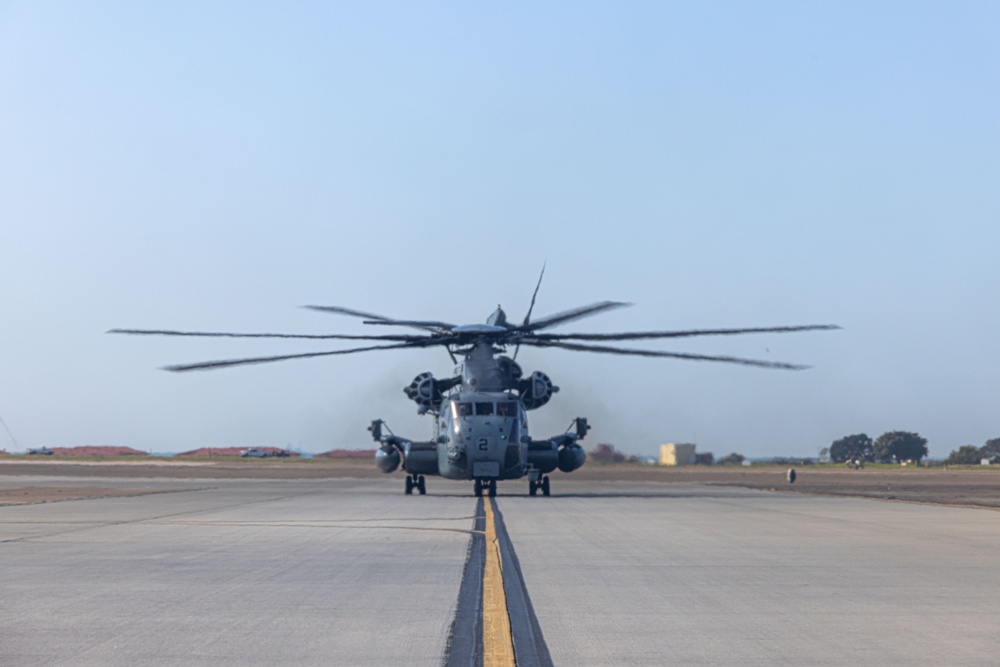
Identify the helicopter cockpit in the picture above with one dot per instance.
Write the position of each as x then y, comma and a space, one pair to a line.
500, 413
484, 408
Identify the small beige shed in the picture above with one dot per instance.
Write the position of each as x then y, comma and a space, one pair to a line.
676, 455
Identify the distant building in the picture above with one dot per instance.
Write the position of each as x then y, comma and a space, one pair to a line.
677, 455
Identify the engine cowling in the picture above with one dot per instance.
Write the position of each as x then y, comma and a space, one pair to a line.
571, 457
536, 390
510, 372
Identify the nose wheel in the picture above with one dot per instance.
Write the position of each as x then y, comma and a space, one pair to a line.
415, 482
488, 486
542, 484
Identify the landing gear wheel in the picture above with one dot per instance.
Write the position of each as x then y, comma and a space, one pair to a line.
415, 482
479, 488
532, 488
545, 486
493, 487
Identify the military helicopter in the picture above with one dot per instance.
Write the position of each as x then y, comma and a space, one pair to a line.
480, 413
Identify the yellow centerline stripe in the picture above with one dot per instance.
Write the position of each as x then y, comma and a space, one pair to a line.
498, 645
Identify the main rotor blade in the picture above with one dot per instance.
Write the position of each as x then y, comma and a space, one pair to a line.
210, 365
638, 335
431, 325
527, 317
220, 334
655, 353
573, 315
347, 311
371, 318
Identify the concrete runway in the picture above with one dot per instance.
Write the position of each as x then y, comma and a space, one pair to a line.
351, 572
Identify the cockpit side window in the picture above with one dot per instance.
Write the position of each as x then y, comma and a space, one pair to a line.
484, 408
461, 409
507, 409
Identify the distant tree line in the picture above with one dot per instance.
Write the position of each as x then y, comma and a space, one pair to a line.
605, 452
733, 459
890, 447
970, 454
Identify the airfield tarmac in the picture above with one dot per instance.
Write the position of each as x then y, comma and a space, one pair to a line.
350, 571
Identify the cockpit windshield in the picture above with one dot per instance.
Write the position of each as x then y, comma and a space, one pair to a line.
484, 408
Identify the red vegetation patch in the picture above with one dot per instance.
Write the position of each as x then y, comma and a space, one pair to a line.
347, 454
97, 451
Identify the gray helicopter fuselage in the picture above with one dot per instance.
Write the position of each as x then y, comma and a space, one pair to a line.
478, 435
483, 435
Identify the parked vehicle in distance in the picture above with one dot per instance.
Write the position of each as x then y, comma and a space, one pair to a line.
41, 450
281, 453
253, 452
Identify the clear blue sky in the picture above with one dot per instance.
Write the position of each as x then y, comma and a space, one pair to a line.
213, 166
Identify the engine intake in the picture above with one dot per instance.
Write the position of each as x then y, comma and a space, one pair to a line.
424, 391
536, 390
427, 391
